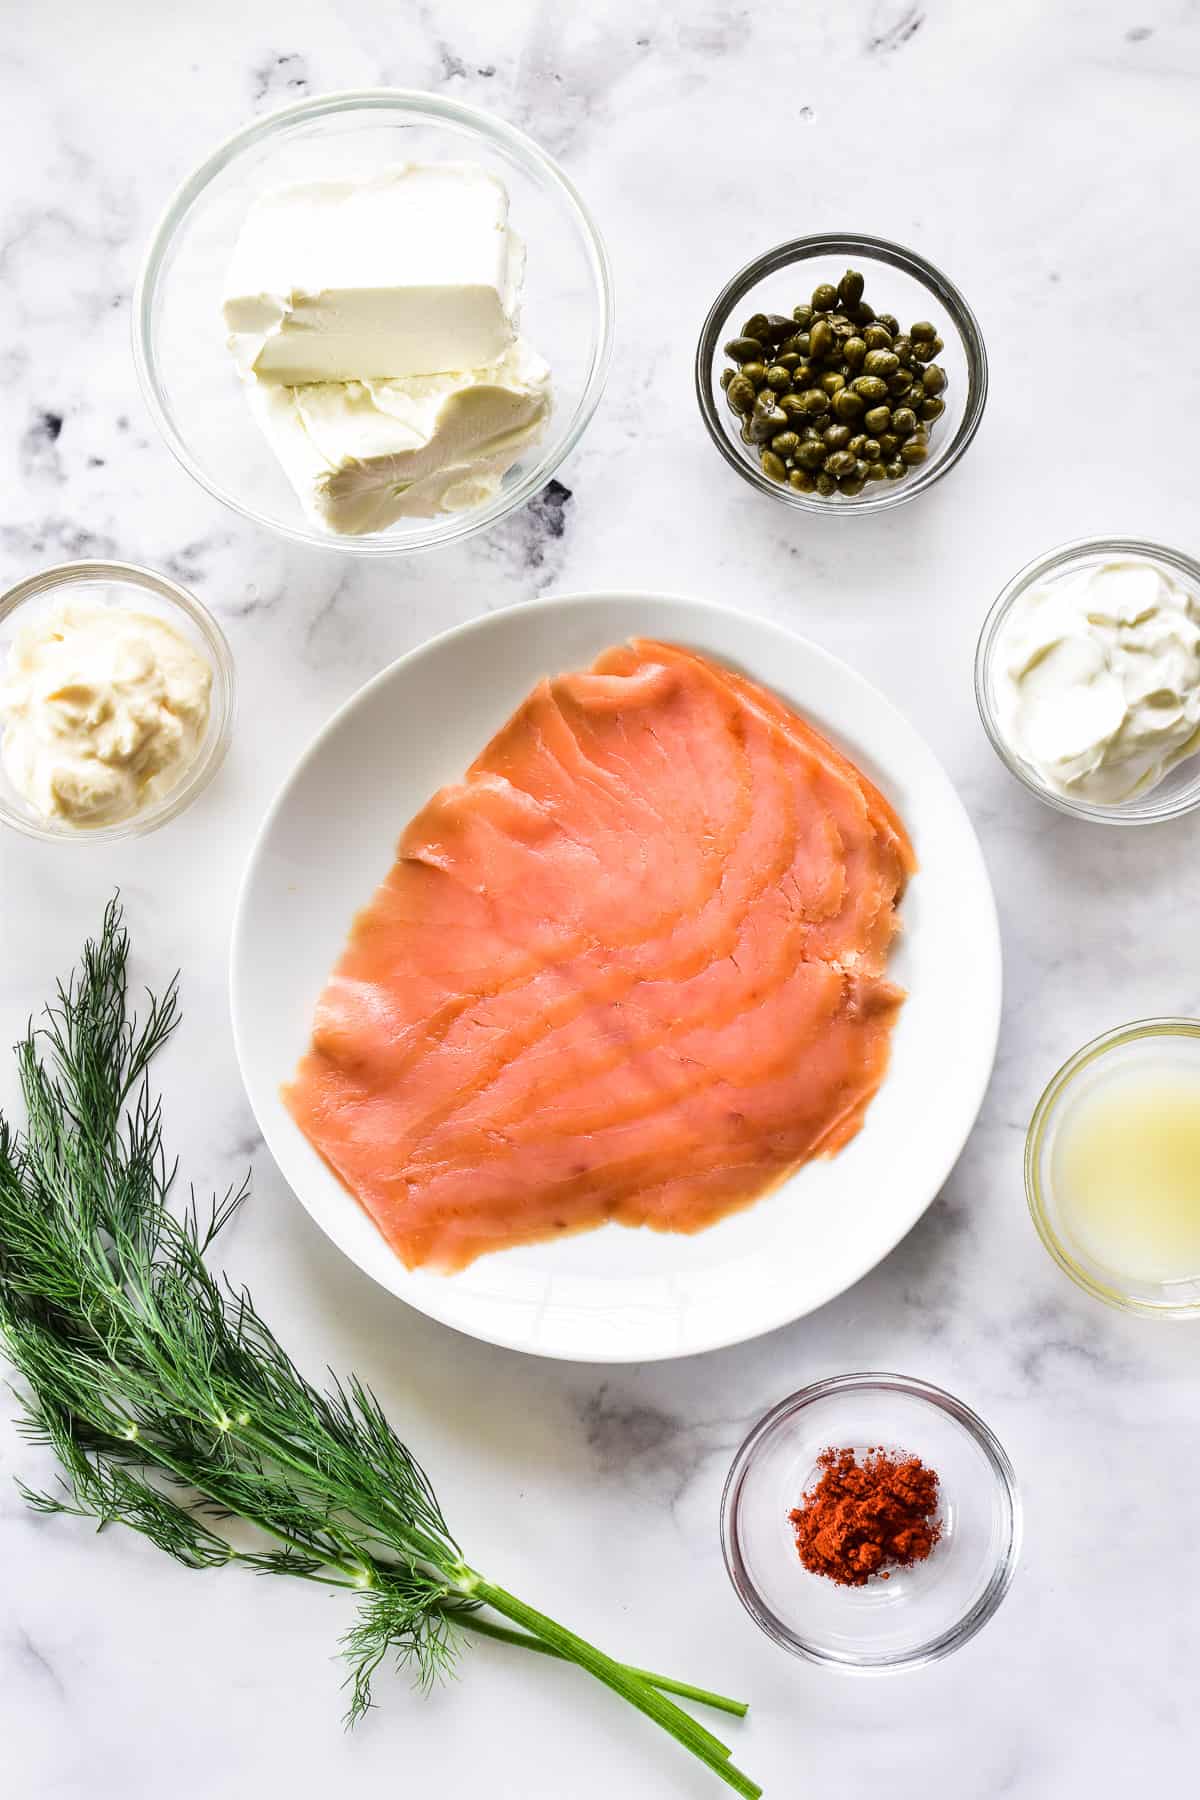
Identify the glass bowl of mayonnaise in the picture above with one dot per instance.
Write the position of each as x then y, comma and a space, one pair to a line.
1087, 677
116, 702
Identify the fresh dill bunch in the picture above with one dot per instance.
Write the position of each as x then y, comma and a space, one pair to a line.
173, 1409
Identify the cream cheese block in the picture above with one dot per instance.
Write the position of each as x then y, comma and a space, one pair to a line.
363, 454
412, 271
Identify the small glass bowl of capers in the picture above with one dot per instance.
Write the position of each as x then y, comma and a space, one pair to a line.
819, 396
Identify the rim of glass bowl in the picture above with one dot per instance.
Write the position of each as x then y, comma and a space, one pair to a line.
519, 149
983, 1607
847, 244
223, 704
1036, 1187
1143, 809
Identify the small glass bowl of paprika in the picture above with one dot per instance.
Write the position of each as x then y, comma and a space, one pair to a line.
961, 1534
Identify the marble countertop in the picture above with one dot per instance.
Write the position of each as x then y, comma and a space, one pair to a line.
1041, 155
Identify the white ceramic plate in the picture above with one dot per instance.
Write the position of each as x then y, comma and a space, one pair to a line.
617, 1295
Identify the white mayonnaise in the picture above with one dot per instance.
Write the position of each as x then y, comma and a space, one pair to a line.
104, 709
1097, 679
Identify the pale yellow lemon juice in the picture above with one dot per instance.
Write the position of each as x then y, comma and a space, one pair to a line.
1112, 1167
1126, 1170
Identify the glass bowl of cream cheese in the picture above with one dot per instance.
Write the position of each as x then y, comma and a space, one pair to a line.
116, 702
1087, 677
374, 321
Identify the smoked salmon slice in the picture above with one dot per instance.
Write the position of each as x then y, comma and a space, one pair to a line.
632, 968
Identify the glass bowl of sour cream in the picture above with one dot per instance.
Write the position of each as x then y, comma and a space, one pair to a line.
313, 201
1087, 677
116, 702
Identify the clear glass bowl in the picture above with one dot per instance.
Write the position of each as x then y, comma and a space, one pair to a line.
1179, 790
917, 1615
187, 373
897, 281
1176, 1041
141, 590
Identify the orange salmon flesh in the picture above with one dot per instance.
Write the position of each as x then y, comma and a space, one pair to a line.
632, 968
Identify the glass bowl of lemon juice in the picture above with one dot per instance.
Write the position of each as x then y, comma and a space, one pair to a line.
1112, 1167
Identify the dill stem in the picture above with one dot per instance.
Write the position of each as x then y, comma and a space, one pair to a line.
473, 1621
679, 1724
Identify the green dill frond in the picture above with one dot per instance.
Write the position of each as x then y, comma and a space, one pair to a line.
170, 1405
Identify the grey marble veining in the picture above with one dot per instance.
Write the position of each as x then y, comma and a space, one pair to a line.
1044, 156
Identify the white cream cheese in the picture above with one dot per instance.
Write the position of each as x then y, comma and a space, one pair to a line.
104, 708
1097, 679
413, 271
362, 454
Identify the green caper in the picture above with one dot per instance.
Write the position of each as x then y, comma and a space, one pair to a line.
870, 387
820, 339
765, 421
850, 288
837, 395
740, 394
847, 406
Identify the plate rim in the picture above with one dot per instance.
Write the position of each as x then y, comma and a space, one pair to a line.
551, 603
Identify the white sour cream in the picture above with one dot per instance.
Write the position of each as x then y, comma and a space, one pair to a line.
1097, 679
104, 710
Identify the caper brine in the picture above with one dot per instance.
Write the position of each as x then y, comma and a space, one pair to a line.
835, 396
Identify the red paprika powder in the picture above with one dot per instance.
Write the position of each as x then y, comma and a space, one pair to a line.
864, 1517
